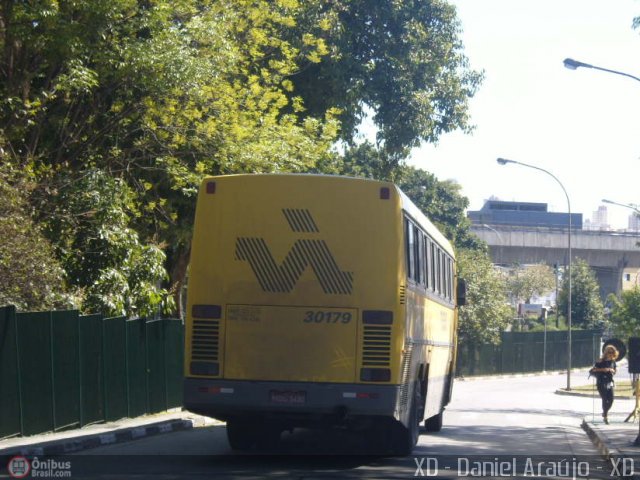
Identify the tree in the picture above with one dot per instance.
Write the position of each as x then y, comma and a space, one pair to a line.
151, 97
625, 313
30, 276
101, 252
487, 312
523, 282
441, 201
587, 308
403, 61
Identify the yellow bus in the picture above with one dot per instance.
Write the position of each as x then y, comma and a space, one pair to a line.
318, 300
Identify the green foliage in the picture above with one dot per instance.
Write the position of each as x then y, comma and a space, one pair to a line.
30, 276
441, 201
523, 282
402, 60
151, 97
115, 110
90, 217
587, 309
625, 313
486, 313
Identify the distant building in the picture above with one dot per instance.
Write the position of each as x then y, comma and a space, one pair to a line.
630, 278
525, 214
634, 222
599, 220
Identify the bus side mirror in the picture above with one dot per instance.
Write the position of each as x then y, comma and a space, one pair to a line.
461, 292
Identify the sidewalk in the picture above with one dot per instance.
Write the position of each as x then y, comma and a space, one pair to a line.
91, 436
616, 442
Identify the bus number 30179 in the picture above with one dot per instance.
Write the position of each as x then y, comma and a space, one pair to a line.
327, 317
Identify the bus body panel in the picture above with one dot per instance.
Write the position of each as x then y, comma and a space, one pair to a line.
295, 249
283, 343
225, 398
300, 302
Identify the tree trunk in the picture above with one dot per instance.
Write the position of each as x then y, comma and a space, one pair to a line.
178, 278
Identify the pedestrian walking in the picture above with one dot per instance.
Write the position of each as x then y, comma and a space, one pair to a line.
604, 370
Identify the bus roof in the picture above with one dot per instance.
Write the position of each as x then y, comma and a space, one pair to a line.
407, 203
422, 219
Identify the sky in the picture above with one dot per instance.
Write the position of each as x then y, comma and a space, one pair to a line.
580, 125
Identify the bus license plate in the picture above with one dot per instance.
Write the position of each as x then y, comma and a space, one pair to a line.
289, 397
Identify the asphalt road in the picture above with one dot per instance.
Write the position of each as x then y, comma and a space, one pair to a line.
495, 420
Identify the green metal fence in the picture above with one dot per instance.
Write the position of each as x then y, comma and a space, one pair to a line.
521, 352
61, 370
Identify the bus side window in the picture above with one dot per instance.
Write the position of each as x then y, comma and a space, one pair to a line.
443, 275
434, 287
416, 255
450, 262
425, 263
447, 276
409, 241
438, 271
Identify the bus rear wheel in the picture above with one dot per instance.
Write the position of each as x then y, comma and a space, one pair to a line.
405, 438
241, 434
244, 434
434, 424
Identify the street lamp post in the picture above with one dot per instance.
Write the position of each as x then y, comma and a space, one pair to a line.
499, 255
635, 375
504, 161
626, 205
572, 64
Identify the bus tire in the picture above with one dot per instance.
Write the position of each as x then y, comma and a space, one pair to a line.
405, 438
434, 424
240, 434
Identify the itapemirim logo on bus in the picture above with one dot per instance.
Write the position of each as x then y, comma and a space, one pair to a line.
20, 467
305, 252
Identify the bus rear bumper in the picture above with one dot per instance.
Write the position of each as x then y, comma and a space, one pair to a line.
227, 398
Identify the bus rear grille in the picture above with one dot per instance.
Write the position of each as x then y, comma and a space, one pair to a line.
204, 341
406, 377
376, 345
403, 294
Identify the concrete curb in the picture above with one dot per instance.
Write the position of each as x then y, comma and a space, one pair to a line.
75, 444
589, 395
599, 442
612, 454
517, 375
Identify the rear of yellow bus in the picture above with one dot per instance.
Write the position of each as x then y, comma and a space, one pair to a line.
293, 315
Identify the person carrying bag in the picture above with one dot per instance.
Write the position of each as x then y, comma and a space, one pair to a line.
604, 370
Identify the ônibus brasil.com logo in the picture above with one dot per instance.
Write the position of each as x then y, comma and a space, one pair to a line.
20, 467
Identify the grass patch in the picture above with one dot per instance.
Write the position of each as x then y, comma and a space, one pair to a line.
623, 389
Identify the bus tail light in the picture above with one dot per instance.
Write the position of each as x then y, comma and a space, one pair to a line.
372, 396
215, 390
211, 188
204, 368
375, 374
385, 193
206, 311
361, 395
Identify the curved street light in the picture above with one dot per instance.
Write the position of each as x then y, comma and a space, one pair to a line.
635, 375
572, 64
626, 205
504, 161
499, 251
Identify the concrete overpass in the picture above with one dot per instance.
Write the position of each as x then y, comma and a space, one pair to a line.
608, 253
